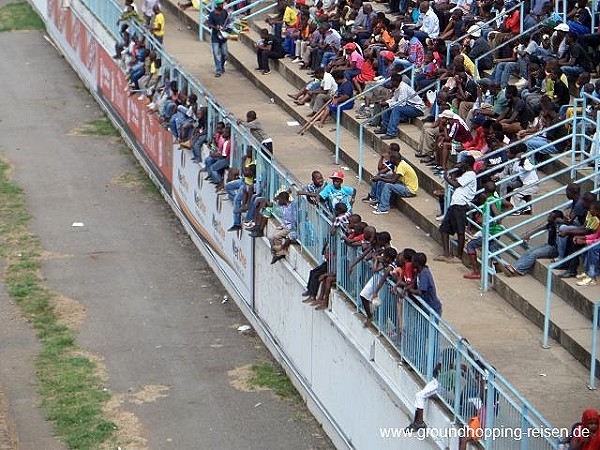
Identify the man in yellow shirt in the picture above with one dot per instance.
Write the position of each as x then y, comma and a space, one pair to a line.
158, 27
403, 181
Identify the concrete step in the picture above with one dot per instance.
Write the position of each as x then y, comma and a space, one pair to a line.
526, 294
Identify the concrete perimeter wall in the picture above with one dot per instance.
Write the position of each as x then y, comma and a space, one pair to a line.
350, 380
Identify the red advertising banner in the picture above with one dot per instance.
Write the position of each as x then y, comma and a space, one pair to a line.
53, 11
156, 141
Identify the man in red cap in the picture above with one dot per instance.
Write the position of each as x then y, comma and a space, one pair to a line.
335, 193
353, 61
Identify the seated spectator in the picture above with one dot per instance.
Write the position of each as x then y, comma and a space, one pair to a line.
527, 260
267, 48
576, 60
241, 189
284, 234
305, 94
518, 115
367, 72
455, 27
510, 26
335, 193
326, 91
341, 101
479, 47
294, 33
522, 182
384, 166
592, 257
256, 129
455, 135
381, 38
218, 160
496, 207
405, 104
402, 181
464, 182
415, 56
548, 124
353, 61
428, 25
363, 24
330, 45
184, 115
431, 71
566, 233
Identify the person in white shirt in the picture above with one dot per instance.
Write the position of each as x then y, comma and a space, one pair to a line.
428, 25
455, 218
326, 91
405, 104
523, 183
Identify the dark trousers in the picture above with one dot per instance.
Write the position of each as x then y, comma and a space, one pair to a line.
263, 56
313, 278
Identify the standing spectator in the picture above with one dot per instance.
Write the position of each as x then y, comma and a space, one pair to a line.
218, 42
335, 193
455, 219
284, 234
403, 182
496, 207
158, 26
267, 48
425, 285
405, 104
148, 10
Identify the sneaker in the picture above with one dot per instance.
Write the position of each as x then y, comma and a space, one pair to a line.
374, 205
587, 281
581, 276
266, 72
523, 212
249, 224
297, 60
439, 218
567, 274
388, 137
379, 212
379, 131
367, 199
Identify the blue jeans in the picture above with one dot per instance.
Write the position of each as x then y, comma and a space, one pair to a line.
572, 71
527, 260
214, 172
536, 142
386, 193
562, 242
237, 205
197, 147
351, 73
392, 117
591, 262
233, 187
209, 161
219, 51
376, 188
501, 73
327, 56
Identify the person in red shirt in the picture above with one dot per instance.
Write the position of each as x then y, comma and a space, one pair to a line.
585, 436
455, 130
509, 28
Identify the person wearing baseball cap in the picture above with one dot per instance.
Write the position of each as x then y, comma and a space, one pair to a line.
479, 47
354, 61
335, 193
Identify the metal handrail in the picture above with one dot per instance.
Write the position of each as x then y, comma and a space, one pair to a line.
503, 44
339, 111
484, 24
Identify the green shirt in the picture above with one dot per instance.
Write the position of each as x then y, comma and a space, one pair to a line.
495, 227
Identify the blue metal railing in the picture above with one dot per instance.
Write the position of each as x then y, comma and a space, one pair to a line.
408, 323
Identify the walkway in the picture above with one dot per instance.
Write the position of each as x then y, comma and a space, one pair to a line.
552, 380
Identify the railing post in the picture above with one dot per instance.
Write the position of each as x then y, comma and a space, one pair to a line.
547, 307
458, 377
594, 351
431, 344
485, 247
574, 145
521, 16
361, 131
524, 427
490, 410
201, 21
337, 133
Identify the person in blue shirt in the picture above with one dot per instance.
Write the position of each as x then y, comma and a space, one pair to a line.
218, 42
425, 286
335, 193
345, 92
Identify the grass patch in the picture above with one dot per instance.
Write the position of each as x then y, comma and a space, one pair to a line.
72, 393
267, 375
19, 16
98, 127
137, 179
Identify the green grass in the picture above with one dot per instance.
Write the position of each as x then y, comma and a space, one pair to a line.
98, 127
72, 394
19, 16
267, 375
